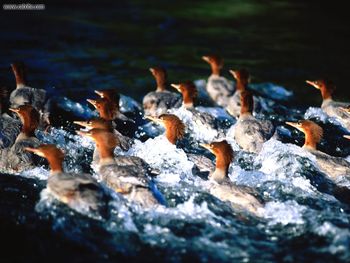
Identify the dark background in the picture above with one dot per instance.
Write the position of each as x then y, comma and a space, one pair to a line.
78, 46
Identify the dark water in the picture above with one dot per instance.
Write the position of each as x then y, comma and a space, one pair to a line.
85, 45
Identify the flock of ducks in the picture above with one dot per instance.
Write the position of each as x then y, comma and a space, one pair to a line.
131, 176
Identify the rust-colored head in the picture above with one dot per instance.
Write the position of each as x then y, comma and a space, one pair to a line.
30, 118
247, 102
98, 123
216, 63
105, 108
223, 153
326, 87
103, 138
188, 91
110, 94
242, 78
50, 152
18, 69
313, 132
175, 128
160, 75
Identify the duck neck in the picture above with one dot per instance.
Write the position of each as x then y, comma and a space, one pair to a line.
161, 84
309, 142
326, 94
55, 165
28, 127
109, 112
106, 155
187, 100
215, 69
20, 79
241, 85
221, 169
170, 134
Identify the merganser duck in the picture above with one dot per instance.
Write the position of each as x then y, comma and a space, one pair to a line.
200, 119
221, 187
161, 100
78, 191
174, 131
24, 94
108, 111
234, 103
9, 127
330, 165
15, 158
250, 133
218, 87
125, 174
329, 106
99, 123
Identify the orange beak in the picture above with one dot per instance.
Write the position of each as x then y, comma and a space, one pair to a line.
295, 125
312, 83
92, 102
206, 58
152, 70
14, 110
177, 87
234, 73
99, 93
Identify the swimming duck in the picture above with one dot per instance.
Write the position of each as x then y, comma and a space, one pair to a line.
234, 103
200, 120
161, 100
250, 133
221, 187
108, 111
23, 94
329, 106
218, 87
174, 131
78, 191
15, 158
330, 165
127, 175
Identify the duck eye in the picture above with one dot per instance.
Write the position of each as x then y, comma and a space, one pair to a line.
299, 122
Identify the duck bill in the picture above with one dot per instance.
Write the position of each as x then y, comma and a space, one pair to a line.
35, 151
176, 86
81, 123
347, 137
234, 73
99, 93
152, 70
14, 110
154, 119
205, 58
206, 146
312, 83
293, 124
92, 102
84, 134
